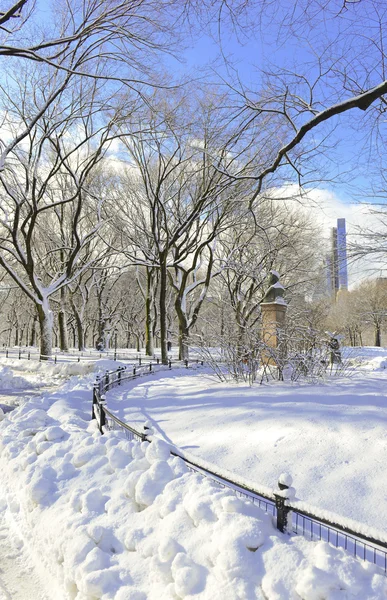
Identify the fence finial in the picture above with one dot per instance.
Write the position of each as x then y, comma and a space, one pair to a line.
148, 429
284, 492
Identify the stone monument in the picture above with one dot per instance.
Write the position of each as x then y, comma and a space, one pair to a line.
273, 309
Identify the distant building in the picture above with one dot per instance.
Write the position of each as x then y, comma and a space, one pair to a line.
336, 260
342, 255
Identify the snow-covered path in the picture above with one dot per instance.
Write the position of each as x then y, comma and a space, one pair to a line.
20, 579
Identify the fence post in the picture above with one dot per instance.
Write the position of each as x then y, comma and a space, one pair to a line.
158, 361
6, 353
186, 363
55, 358
150, 367
134, 370
107, 379
19, 353
119, 375
147, 430
170, 364
284, 483
102, 415
94, 401
29, 355
139, 361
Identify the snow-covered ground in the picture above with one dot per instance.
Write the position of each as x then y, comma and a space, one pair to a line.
331, 437
92, 516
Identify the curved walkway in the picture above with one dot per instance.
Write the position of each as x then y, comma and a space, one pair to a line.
20, 578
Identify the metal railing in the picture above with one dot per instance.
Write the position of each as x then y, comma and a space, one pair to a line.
288, 516
30, 353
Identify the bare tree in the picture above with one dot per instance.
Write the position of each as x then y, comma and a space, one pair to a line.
87, 39
49, 179
177, 202
281, 239
339, 81
148, 290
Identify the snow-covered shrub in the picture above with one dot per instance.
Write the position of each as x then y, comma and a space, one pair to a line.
301, 354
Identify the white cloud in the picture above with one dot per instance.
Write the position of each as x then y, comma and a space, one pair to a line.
324, 208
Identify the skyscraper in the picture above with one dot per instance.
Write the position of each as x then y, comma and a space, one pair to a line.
336, 260
342, 255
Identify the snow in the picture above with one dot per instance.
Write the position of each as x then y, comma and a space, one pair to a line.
285, 479
330, 437
20, 579
101, 517
9, 381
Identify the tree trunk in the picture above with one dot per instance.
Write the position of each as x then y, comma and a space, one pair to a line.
183, 342
100, 343
62, 323
33, 332
63, 333
149, 302
183, 330
138, 345
149, 346
79, 328
378, 337
241, 335
163, 312
45, 322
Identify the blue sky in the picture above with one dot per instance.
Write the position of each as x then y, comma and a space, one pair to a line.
349, 35
266, 46
330, 199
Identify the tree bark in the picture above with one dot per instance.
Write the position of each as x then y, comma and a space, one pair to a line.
149, 312
183, 330
79, 328
163, 312
45, 322
183, 342
103, 339
62, 323
378, 337
63, 334
33, 332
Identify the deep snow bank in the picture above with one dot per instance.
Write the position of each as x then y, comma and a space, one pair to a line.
118, 520
8, 381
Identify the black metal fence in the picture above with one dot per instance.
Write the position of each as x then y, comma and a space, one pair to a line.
29, 353
288, 517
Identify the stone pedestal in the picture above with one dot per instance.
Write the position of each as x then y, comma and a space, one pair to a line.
273, 321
